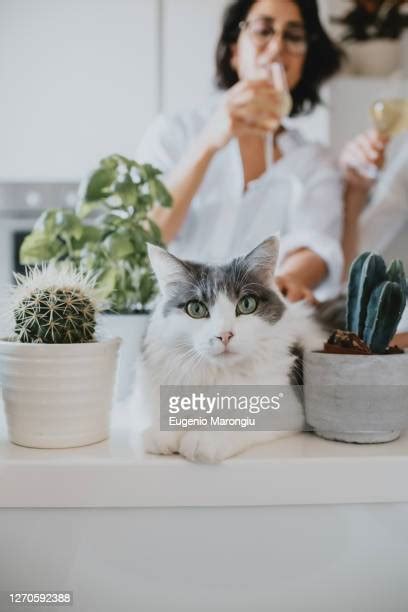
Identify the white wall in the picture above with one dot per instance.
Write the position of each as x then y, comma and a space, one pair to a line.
190, 32
78, 81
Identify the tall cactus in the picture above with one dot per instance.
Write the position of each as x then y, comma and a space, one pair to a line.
366, 273
55, 306
376, 300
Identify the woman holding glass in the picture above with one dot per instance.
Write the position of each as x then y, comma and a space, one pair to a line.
234, 170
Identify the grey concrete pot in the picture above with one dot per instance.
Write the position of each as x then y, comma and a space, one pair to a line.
356, 398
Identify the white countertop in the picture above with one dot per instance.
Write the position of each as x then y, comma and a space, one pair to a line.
302, 469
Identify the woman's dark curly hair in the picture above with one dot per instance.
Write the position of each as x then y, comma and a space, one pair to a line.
322, 60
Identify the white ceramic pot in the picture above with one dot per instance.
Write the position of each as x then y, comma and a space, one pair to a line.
131, 329
375, 58
356, 398
58, 395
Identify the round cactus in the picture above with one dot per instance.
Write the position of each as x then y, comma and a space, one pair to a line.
55, 316
55, 306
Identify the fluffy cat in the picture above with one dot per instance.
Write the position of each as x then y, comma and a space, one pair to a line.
219, 325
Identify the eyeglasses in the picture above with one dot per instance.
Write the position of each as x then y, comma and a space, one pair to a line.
262, 30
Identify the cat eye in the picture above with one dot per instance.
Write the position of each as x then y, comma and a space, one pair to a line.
247, 305
196, 309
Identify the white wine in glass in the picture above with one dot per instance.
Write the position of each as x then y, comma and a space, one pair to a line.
390, 116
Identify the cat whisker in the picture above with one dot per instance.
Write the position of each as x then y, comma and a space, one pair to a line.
181, 360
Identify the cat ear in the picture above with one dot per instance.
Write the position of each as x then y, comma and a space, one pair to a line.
263, 259
166, 267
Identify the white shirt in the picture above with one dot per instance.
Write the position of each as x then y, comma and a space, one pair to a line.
300, 197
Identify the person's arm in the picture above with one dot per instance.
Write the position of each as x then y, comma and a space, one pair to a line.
247, 108
302, 271
311, 254
364, 153
355, 200
183, 184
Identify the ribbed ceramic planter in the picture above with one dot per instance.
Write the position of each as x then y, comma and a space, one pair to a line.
131, 329
356, 398
58, 395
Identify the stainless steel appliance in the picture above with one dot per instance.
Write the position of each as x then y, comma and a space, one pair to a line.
20, 205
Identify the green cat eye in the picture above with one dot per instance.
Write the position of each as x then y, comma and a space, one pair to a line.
247, 305
196, 309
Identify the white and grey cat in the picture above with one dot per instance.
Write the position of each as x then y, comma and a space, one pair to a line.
219, 325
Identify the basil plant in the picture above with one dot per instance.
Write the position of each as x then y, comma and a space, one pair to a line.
108, 232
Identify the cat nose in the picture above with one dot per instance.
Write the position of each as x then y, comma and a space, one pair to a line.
225, 337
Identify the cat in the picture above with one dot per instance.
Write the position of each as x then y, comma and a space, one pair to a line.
219, 325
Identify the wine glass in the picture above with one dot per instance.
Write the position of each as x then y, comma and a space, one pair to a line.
275, 74
390, 118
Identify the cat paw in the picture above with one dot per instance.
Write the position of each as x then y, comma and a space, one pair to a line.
206, 446
158, 442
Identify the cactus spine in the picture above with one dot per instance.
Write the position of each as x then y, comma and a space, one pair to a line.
55, 306
376, 300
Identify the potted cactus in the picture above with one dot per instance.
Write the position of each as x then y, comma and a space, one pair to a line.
355, 389
57, 378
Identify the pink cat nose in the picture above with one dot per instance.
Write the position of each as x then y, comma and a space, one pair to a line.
225, 337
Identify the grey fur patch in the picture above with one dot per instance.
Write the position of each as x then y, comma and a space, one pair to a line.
332, 315
236, 279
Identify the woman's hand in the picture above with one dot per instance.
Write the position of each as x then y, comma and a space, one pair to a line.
364, 153
294, 290
249, 107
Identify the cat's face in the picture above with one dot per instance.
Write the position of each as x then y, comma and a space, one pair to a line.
221, 314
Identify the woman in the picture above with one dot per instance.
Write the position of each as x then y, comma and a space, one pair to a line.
225, 200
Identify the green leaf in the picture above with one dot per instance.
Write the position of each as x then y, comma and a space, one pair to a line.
107, 282
109, 163
146, 287
69, 224
46, 222
155, 232
37, 248
148, 172
86, 208
139, 239
99, 183
115, 160
128, 192
92, 234
159, 193
118, 245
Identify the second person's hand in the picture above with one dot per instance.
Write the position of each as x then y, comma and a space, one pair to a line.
365, 151
293, 290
